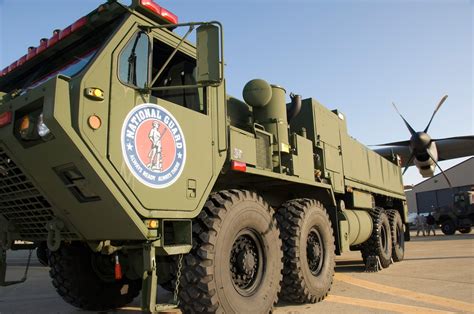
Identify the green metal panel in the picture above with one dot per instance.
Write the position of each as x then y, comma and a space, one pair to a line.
243, 146
303, 164
326, 135
344, 235
362, 199
369, 169
114, 218
196, 130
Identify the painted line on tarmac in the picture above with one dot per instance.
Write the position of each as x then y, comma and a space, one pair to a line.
379, 305
407, 294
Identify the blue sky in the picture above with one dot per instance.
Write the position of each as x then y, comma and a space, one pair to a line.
357, 56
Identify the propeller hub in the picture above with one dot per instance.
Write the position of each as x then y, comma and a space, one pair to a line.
420, 141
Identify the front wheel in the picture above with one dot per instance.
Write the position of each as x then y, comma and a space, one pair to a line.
465, 230
448, 227
236, 261
77, 282
308, 246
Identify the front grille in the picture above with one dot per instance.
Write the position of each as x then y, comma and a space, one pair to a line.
22, 205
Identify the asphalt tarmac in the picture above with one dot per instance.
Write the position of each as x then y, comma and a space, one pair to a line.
437, 276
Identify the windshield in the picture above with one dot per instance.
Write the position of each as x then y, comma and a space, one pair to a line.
70, 69
68, 57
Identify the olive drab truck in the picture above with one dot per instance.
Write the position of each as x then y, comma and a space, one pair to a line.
458, 216
126, 165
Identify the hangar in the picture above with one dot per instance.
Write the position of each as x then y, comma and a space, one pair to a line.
435, 192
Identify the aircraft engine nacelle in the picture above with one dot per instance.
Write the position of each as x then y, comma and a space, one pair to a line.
426, 165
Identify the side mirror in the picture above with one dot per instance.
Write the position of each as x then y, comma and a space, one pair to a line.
208, 55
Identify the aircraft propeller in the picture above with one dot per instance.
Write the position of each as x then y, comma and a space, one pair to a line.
420, 142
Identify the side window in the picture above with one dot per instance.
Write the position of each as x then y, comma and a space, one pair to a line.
133, 61
180, 71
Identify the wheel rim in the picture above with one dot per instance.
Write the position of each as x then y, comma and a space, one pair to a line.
447, 227
103, 267
384, 239
315, 252
246, 262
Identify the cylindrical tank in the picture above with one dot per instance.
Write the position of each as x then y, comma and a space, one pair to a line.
273, 116
360, 225
269, 109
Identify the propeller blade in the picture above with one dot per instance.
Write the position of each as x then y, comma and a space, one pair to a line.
400, 143
412, 131
435, 111
441, 169
407, 164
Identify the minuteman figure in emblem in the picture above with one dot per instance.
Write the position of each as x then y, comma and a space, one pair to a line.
155, 154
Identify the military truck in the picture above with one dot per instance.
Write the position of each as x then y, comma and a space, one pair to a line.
458, 216
126, 164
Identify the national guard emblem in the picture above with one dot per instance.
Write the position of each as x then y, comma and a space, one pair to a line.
153, 145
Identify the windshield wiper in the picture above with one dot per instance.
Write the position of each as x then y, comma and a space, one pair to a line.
132, 61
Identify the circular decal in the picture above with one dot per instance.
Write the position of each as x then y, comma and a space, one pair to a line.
153, 145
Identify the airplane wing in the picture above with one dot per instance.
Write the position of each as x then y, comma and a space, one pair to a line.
455, 147
403, 151
448, 148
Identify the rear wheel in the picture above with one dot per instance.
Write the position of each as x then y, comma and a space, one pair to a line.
380, 242
236, 261
76, 281
448, 227
465, 230
398, 237
308, 246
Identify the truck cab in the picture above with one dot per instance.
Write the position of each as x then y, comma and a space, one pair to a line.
459, 216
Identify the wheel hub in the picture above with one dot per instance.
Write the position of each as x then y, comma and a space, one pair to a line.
314, 252
244, 263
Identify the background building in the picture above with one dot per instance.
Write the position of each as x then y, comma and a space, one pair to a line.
435, 192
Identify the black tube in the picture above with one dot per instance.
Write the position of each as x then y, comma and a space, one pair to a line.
295, 107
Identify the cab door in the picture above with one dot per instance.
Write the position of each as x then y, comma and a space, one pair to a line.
160, 142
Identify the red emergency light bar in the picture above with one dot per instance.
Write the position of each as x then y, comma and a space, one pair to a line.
45, 44
159, 10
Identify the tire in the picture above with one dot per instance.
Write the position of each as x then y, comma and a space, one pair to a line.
465, 230
380, 242
78, 284
42, 254
308, 269
448, 227
236, 261
398, 236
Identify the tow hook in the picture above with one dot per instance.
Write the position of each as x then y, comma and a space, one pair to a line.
54, 228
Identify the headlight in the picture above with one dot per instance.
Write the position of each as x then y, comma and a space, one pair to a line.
43, 130
32, 128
